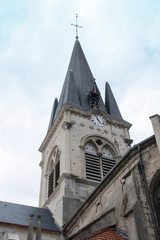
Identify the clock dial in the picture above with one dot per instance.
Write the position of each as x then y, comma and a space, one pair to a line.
98, 120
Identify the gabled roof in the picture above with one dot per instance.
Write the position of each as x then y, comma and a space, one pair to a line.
109, 233
79, 81
18, 214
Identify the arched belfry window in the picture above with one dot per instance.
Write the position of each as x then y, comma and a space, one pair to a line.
53, 172
99, 159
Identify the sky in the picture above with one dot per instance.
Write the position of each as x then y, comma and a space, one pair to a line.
121, 41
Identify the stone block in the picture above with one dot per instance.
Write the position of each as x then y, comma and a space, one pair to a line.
70, 206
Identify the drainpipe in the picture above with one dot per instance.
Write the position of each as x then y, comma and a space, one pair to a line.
147, 193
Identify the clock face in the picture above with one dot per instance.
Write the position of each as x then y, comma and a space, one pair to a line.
98, 120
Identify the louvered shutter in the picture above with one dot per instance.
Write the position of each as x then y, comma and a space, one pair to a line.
57, 172
50, 183
107, 160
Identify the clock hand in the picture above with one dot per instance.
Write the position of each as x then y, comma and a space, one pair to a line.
97, 118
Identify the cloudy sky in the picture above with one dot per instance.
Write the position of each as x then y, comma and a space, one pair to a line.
121, 41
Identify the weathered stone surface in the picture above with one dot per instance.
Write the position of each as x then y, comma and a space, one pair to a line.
68, 137
123, 191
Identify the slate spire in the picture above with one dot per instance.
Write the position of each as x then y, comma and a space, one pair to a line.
55, 104
78, 84
110, 103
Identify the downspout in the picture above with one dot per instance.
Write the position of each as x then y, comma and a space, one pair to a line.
147, 193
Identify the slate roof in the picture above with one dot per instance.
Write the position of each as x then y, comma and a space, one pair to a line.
109, 233
77, 86
18, 214
110, 103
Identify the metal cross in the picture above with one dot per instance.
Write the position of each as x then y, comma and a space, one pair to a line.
76, 25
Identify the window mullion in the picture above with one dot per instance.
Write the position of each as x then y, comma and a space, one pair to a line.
100, 163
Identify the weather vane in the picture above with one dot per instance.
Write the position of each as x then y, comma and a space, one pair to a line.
76, 25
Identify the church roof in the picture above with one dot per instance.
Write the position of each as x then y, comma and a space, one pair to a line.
18, 214
79, 82
109, 233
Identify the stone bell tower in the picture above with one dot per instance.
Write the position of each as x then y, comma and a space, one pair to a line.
84, 140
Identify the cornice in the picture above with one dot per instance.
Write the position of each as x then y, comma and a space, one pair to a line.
52, 130
84, 114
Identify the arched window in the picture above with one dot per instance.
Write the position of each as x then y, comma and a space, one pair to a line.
99, 160
54, 172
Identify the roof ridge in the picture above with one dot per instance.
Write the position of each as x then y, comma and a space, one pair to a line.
6, 202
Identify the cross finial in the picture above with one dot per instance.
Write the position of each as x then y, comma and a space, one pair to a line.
76, 25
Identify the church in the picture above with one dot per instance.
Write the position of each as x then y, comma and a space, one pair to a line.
94, 185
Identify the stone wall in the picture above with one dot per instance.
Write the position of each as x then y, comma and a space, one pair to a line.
121, 199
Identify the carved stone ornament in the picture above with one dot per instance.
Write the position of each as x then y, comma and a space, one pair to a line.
41, 163
81, 147
128, 141
67, 125
99, 154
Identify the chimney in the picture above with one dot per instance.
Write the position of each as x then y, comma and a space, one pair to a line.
155, 119
38, 234
30, 229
